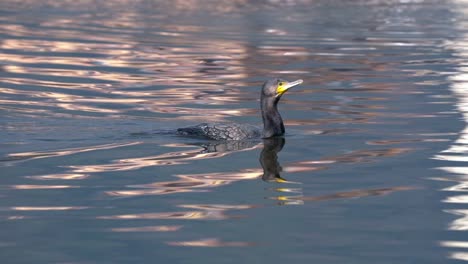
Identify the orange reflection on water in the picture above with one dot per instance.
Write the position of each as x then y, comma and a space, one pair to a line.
209, 242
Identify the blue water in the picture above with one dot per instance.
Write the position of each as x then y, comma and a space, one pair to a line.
371, 170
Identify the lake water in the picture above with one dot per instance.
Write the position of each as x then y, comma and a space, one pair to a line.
372, 169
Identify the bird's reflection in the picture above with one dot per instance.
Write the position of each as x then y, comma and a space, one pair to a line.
272, 169
228, 146
269, 159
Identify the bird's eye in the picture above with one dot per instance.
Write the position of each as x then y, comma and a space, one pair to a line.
280, 84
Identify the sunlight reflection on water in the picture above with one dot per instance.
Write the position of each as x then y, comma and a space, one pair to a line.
455, 154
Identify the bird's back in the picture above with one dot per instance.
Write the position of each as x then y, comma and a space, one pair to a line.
222, 131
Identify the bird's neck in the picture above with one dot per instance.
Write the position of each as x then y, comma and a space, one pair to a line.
272, 121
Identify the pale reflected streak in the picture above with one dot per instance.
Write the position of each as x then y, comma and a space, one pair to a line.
342, 195
38, 187
463, 199
459, 256
166, 159
403, 141
460, 224
16, 217
456, 244
216, 207
452, 158
47, 208
47, 154
359, 193
462, 171
209, 242
60, 176
161, 228
188, 183
461, 187
365, 155
206, 212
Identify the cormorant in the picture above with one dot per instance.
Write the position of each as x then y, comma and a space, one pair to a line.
273, 126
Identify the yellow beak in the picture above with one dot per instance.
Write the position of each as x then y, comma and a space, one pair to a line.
286, 85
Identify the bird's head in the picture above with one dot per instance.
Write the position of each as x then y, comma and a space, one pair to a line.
275, 88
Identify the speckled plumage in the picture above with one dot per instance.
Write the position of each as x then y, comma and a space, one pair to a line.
222, 131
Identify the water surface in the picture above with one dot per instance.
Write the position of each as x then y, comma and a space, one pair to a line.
371, 169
